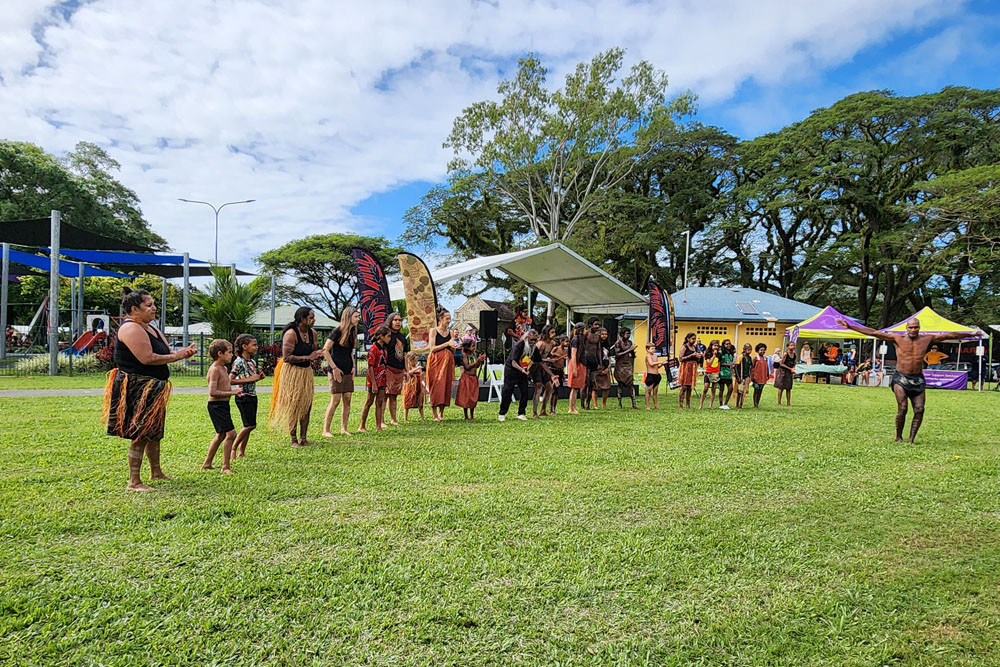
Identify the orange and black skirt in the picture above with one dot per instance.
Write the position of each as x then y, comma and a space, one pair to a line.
135, 406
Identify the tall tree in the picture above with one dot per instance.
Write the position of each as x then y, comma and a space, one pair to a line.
321, 271
554, 155
32, 183
228, 305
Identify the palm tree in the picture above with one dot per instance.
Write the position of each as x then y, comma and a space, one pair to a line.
229, 306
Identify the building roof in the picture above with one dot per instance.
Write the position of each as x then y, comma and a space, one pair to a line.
285, 314
553, 270
738, 304
505, 311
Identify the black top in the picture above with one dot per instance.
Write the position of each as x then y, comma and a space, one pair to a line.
516, 354
343, 356
439, 339
396, 351
126, 362
303, 349
687, 353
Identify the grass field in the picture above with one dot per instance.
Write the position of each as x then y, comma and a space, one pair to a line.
800, 536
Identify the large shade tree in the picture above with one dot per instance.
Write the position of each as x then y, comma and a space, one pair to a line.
318, 270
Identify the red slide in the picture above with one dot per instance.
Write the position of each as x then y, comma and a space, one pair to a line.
84, 342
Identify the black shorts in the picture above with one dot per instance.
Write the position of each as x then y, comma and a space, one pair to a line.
222, 420
653, 379
725, 382
247, 405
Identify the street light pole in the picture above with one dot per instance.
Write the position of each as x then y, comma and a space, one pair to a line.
687, 254
216, 209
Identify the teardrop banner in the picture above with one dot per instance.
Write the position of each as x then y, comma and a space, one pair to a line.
373, 292
661, 328
421, 299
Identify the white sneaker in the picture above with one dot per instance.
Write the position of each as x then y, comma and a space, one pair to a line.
523, 418
501, 418
723, 407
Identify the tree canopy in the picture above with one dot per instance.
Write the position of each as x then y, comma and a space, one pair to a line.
320, 270
82, 186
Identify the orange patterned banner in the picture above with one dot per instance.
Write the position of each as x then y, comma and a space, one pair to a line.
421, 299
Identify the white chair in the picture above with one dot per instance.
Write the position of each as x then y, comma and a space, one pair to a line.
495, 373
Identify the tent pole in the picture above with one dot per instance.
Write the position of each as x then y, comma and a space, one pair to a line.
271, 339
54, 223
569, 321
163, 305
80, 319
72, 308
5, 277
186, 300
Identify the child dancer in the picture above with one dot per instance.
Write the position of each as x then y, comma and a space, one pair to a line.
541, 373
219, 391
468, 385
602, 378
760, 373
557, 364
653, 377
377, 380
414, 390
245, 374
742, 370
713, 365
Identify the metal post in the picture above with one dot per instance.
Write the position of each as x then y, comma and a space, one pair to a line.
72, 308
186, 302
5, 277
81, 320
687, 255
54, 224
271, 339
163, 306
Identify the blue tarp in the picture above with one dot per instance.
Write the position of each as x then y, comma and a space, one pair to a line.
66, 269
109, 257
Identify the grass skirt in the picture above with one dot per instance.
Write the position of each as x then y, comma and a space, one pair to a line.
292, 397
135, 406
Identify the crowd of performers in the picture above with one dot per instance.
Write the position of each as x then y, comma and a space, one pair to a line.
138, 388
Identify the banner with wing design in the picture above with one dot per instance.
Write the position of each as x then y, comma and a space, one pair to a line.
661, 319
421, 299
373, 292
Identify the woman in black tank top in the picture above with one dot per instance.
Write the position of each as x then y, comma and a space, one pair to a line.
138, 388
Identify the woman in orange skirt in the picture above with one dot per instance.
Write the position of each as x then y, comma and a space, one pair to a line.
689, 370
440, 364
414, 389
577, 371
468, 385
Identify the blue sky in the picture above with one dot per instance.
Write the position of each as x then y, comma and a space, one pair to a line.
332, 115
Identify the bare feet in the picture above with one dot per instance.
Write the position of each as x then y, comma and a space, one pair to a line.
207, 468
327, 434
362, 430
344, 431
294, 443
227, 471
573, 412
394, 423
139, 487
158, 475
379, 429
305, 443
899, 440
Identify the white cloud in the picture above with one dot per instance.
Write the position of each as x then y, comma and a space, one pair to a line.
310, 106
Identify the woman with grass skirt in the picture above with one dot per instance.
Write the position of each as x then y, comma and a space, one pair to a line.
138, 388
440, 364
294, 387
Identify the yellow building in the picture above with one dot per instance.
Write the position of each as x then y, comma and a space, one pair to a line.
741, 314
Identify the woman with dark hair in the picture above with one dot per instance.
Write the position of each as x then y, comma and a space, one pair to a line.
691, 356
577, 371
625, 366
138, 387
338, 350
395, 364
784, 374
292, 397
440, 364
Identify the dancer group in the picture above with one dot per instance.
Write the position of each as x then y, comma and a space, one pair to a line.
138, 388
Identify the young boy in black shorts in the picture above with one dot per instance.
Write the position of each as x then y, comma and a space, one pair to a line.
219, 391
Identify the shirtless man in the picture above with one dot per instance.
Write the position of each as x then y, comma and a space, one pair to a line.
908, 378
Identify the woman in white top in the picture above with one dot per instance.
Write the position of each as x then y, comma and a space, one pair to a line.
806, 354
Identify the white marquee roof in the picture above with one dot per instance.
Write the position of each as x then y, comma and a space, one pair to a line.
553, 270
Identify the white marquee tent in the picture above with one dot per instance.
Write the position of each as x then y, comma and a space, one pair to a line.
554, 271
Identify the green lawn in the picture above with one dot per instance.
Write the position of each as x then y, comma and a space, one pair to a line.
800, 536
96, 380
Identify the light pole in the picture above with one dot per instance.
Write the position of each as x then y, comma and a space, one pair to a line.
687, 253
216, 209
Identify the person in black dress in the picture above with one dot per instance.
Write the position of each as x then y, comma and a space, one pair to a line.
138, 388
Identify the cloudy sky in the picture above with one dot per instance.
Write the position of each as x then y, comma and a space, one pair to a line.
331, 114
